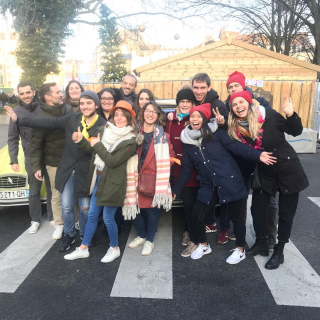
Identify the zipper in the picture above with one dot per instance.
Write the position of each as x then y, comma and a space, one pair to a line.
204, 159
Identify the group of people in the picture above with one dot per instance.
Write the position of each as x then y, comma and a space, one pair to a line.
118, 154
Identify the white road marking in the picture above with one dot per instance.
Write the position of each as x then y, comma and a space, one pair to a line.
20, 258
147, 276
316, 200
295, 283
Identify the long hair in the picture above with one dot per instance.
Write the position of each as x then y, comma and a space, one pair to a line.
252, 117
116, 96
136, 106
130, 119
161, 121
205, 130
67, 99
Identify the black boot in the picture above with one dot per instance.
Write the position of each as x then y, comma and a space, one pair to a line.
260, 247
276, 259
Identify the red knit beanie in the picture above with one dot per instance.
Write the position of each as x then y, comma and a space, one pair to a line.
237, 77
204, 108
244, 94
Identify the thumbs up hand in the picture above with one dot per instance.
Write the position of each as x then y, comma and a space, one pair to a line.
93, 140
77, 136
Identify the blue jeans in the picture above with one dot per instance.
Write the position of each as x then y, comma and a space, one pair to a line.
67, 204
108, 218
146, 223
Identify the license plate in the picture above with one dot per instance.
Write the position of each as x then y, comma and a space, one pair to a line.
14, 194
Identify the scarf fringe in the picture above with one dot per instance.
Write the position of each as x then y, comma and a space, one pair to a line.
130, 212
162, 200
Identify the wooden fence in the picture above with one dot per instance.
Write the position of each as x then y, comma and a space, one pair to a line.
301, 92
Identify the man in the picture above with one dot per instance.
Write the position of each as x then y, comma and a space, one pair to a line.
127, 87
71, 176
49, 145
28, 108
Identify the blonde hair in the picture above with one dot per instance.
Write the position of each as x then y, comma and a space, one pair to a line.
252, 117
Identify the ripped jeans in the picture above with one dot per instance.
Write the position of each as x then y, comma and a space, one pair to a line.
67, 204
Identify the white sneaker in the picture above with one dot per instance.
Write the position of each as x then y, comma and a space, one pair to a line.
147, 248
77, 254
34, 227
111, 254
200, 251
236, 256
58, 232
77, 225
136, 242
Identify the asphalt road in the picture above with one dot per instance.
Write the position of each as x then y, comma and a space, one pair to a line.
203, 289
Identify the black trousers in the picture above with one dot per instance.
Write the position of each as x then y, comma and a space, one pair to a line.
201, 210
287, 208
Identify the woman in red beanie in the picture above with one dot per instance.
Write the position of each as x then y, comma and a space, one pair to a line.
264, 130
219, 176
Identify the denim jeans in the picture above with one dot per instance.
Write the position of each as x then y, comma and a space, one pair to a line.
67, 204
108, 218
146, 223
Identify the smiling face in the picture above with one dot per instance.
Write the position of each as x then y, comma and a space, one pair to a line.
26, 94
240, 107
196, 120
143, 99
234, 87
87, 107
120, 119
107, 101
150, 115
74, 91
185, 106
200, 90
128, 85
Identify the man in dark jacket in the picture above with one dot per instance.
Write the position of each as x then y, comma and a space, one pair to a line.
49, 145
28, 108
128, 85
71, 176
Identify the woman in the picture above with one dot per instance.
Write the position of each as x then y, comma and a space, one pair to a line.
72, 97
265, 131
154, 165
144, 96
108, 99
219, 177
107, 178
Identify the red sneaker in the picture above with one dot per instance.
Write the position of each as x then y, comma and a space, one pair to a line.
223, 236
211, 228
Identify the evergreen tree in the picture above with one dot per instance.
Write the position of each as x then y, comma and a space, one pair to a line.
112, 61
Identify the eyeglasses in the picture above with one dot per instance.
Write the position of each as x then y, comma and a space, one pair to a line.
151, 112
107, 99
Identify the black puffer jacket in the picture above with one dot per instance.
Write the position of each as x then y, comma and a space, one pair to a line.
46, 143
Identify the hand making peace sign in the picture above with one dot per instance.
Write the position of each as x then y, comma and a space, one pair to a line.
219, 118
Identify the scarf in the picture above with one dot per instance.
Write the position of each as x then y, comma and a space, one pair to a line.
75, 105
85, 128
180, 116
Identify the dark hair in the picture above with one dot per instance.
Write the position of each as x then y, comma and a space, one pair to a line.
130, 119
205, 130
202, 77
131, 75
45, 90
136, 106
67, 99
116, 96
23, 84
161, 121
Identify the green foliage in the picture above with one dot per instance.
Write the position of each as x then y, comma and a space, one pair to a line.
112, 61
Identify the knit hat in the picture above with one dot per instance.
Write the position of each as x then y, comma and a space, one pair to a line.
237, 77
244, 94
123, 105
204, 108
92, 95
185, 94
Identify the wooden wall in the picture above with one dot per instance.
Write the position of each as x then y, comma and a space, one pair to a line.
302, 93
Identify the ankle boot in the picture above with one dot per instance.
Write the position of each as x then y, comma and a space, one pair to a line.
276, 259
260, 247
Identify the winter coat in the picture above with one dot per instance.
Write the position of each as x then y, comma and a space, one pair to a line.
73, 157
15, 132
112, 186
150, 167
216, 167
287, 175
46, 143
174, 128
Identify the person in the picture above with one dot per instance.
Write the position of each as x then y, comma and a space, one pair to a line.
28, 107
48, 145
108, 99
154, 161
144, 96
266, 131
74, 165
73, 91
127, 87
219, 177
108, 176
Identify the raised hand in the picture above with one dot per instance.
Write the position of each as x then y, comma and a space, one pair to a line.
266, 158
287, 105
93, 141
11, 113
15, 167
219, 118
77, 136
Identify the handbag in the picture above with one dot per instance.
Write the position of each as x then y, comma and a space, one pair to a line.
146, 183
255, 182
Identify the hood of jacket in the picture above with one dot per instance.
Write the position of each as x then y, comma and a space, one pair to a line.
56, 111
210, 97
